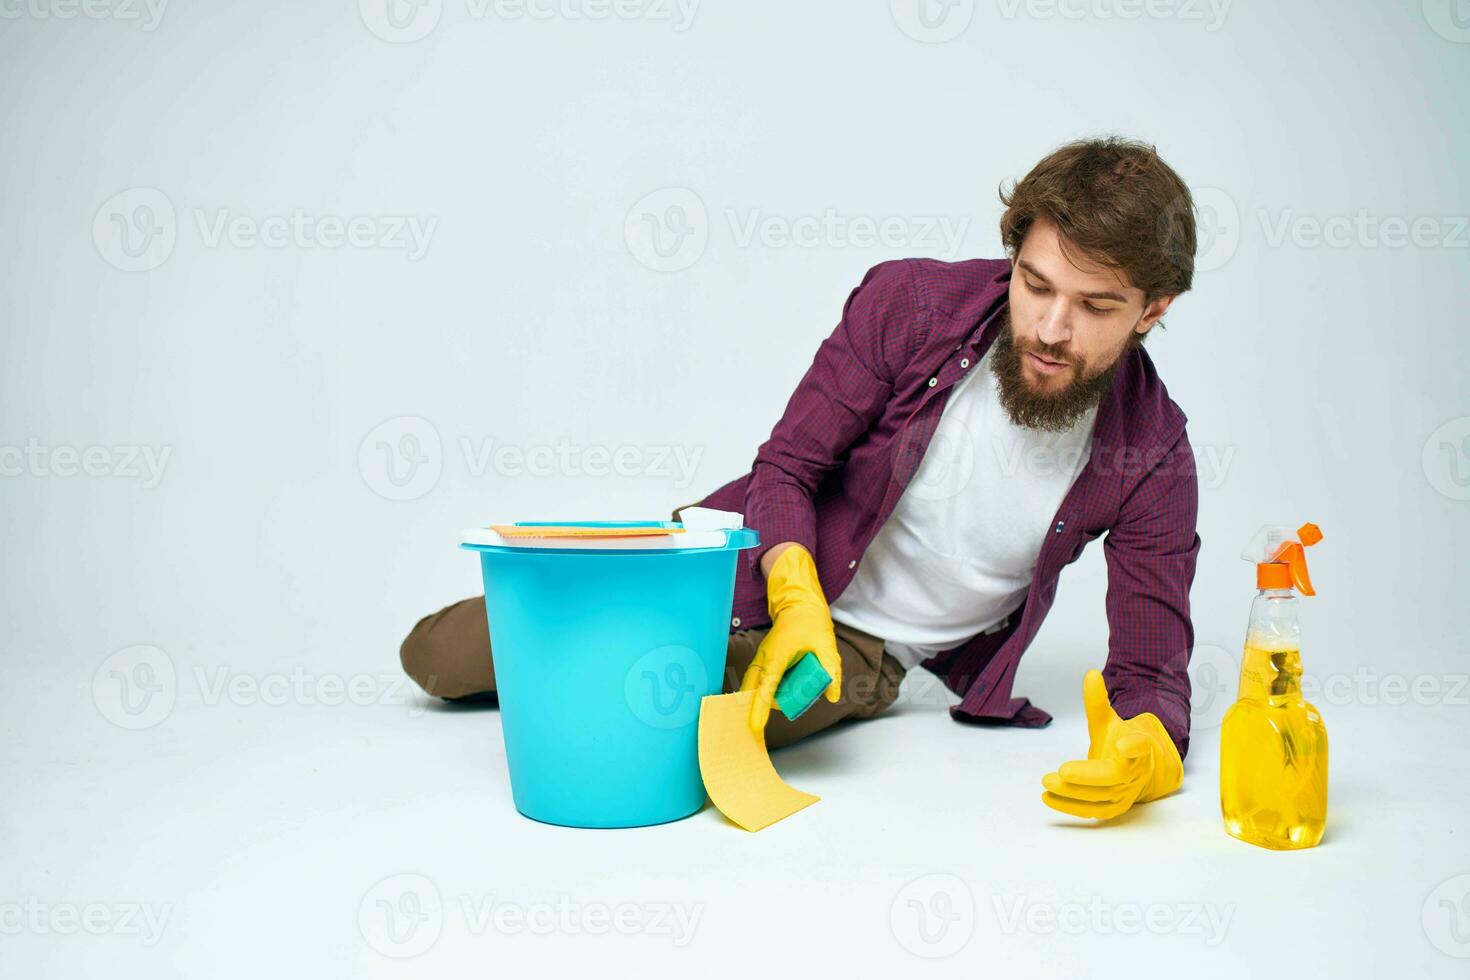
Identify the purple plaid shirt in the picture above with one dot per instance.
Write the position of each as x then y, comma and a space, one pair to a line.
853, 435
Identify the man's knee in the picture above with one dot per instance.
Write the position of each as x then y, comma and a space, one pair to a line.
876, 692
448, 653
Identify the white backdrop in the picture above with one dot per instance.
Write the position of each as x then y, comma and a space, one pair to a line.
292, 292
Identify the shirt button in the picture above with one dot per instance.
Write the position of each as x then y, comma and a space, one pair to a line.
735, 621
852, 564
964, 363
933, 382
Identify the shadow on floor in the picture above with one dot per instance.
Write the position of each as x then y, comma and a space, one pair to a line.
484, 701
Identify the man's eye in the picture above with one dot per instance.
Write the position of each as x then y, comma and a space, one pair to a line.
1038, 290
1099, 310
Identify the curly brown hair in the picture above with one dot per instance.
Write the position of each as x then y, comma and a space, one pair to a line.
1117, 202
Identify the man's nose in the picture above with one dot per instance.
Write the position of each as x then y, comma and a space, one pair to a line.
1053, 328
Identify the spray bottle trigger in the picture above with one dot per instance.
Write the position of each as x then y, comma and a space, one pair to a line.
1294, 555
1296, 559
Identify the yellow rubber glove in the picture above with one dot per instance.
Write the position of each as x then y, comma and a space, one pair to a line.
800, 622
1131, 760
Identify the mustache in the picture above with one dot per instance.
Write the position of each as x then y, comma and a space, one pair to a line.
1052, 352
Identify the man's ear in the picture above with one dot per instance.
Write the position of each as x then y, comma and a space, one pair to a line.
1152, 313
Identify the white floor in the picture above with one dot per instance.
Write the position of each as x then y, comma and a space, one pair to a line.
245, 838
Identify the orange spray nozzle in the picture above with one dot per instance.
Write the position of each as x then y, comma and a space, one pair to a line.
1281, 558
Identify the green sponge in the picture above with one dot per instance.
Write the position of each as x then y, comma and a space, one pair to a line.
801, 686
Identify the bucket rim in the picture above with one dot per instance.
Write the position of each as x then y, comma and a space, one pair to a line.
484, 539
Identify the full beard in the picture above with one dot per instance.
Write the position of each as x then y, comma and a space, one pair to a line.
1052, 411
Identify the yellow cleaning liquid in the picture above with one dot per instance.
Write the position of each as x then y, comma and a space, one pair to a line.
1273, 753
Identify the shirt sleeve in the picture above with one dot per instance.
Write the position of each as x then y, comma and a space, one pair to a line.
1151, 555
843, 392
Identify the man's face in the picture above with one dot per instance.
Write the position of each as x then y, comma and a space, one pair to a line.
1070, 320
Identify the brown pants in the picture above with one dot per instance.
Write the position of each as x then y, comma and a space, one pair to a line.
448, 655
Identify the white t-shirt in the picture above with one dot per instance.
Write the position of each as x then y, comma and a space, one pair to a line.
956, 555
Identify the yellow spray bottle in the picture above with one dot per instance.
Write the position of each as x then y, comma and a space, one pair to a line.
1273, 744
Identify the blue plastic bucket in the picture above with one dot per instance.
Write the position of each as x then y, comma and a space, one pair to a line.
603, 652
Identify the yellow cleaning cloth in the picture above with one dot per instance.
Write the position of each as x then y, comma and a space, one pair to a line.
578, 531
737, 771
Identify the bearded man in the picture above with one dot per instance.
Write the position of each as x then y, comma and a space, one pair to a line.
959, 438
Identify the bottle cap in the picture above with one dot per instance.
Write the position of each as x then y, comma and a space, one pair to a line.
1285, 564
